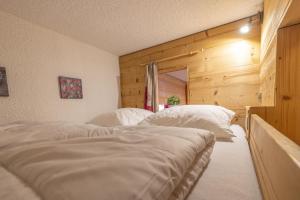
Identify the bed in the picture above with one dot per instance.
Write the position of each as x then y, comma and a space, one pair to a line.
58, 161
231, 160
232, 178
228, 174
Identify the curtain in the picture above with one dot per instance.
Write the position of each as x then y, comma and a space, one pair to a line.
151, 88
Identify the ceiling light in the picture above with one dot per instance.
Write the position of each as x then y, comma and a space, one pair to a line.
244, 29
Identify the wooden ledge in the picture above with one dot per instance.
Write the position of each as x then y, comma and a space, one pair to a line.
276, 159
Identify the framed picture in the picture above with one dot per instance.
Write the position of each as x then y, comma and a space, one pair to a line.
3, 82
70, 88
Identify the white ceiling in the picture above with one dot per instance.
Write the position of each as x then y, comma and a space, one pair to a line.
124, 26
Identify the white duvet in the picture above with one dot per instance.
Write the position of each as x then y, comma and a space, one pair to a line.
55, 161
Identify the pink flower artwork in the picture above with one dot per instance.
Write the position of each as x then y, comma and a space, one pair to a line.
70, 88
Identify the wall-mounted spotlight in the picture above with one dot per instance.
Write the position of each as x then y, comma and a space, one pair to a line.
245, 29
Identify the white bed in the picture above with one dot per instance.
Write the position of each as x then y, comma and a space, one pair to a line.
230, 175
59, 160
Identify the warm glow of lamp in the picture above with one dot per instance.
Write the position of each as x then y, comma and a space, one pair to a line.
244, 29
240, 52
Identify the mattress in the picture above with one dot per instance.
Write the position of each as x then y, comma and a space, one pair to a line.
230, 174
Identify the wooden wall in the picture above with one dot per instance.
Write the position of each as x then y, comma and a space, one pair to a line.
222, 63
274, 12
171, 86
285, 115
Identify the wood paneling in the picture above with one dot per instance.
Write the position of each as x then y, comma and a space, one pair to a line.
292, 16
224, 71
274, 13
285, 115
288, 82
276, 160
171, 86
268, 75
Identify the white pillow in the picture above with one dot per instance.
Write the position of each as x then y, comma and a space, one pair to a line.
121, 117
213, 118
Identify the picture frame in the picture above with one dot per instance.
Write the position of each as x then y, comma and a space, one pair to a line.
3, 83
70, 88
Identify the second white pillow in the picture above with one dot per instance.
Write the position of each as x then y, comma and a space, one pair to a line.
121, 117
213, 118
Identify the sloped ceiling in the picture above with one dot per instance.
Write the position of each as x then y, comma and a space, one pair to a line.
124, 26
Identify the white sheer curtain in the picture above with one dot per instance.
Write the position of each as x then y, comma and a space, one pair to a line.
151, 89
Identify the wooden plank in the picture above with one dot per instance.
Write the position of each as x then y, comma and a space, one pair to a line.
292, 16
277, 14
252, 21
288, 82
224, 80
277, 161
226, 38
226, 95
268, 75
274, 12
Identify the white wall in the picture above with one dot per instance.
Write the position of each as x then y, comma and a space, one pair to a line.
34, 57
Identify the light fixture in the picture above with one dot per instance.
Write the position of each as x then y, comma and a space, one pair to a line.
244, 29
